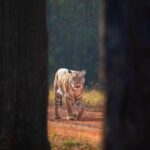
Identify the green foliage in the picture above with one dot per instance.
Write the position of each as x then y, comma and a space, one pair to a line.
73, 36
61, 1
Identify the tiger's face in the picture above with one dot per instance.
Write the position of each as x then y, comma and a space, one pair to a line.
77, 78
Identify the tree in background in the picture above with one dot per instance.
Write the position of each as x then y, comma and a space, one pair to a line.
73, 26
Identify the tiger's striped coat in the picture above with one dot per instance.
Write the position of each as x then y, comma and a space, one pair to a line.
69, 84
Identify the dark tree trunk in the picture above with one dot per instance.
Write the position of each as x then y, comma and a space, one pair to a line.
127, 124
23, 75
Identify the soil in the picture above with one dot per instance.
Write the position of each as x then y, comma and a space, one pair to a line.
89, 127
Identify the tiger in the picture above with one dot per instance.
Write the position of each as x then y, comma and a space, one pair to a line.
70, 85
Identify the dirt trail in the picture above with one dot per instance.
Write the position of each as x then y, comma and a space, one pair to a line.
89, 127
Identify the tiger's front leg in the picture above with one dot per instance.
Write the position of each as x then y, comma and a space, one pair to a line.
80, 109
70, 115
58, 102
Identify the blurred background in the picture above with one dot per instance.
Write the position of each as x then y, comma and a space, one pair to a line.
73, 37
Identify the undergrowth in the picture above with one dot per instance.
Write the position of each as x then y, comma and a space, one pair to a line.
68, 143
93, 99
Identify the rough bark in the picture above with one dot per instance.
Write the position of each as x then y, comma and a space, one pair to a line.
127, 124
23, 75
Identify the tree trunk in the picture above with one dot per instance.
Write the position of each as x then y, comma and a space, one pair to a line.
23, 70
127, 123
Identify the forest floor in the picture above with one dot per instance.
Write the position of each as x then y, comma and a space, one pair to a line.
89, 129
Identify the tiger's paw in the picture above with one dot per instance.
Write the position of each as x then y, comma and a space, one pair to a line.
73, 117
70, 118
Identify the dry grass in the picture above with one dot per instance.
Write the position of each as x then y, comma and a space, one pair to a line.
72, 144
93, 99
59, 142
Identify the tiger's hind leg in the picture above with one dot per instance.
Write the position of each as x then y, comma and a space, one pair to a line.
58, 102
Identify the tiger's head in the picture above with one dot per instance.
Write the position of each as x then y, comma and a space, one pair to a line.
76, 78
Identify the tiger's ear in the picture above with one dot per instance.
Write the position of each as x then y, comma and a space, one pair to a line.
69, 71
83, 72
